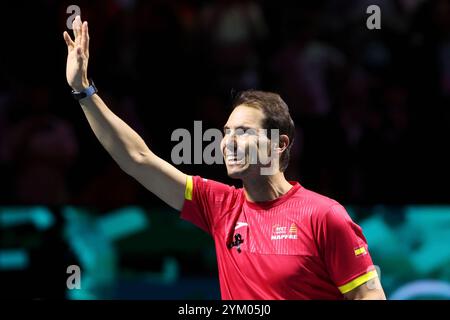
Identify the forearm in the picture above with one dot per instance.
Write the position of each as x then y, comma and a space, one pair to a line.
124, 145
375, 295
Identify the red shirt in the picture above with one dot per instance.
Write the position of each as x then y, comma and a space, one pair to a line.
301, 245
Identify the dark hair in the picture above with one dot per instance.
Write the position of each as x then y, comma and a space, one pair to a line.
276, 116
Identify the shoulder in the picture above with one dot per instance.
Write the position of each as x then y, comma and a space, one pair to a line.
328, 218
324, 210
214, 188
319, 202
201, 182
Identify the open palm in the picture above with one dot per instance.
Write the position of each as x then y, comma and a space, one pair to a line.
77, 55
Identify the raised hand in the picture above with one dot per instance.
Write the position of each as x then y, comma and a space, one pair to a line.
77, 55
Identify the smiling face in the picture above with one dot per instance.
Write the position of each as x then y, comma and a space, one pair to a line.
244, 138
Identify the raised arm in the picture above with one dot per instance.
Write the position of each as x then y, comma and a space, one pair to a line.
125, 146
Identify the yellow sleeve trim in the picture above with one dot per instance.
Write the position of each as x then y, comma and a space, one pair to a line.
189, 188
358, 281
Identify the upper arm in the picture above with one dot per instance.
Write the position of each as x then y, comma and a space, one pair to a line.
369, 290
161, 178
345, 251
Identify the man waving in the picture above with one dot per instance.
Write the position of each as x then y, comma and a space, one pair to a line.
274, 238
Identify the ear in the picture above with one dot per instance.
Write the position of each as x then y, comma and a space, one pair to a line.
284, 143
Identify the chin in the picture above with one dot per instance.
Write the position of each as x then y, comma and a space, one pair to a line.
236, 173
241, 172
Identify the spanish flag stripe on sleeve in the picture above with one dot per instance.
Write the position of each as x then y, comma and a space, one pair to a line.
358, 281
360, 251
189, 188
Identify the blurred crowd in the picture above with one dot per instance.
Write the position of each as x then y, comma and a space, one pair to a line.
371, 107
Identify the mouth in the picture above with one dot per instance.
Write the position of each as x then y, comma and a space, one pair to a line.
234, 159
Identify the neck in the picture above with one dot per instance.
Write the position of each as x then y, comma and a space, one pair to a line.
266, 188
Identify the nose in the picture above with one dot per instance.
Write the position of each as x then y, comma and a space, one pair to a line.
230, 142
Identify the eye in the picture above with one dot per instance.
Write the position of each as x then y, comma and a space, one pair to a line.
251, 131
244, 131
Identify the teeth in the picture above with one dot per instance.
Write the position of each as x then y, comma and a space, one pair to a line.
232, 159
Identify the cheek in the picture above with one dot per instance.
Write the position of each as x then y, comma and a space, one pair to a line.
252, 149
246, 143
264, 146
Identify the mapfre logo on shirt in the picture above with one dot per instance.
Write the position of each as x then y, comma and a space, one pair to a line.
280, 232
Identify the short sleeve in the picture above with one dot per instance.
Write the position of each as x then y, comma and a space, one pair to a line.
206, 201
344, 250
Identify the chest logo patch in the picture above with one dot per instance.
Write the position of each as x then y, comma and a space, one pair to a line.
283, 232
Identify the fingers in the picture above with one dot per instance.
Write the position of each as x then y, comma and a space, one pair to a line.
73, 28
69, 42
76, 27
85, 38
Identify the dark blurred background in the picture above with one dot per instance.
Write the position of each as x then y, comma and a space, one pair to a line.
371, 107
